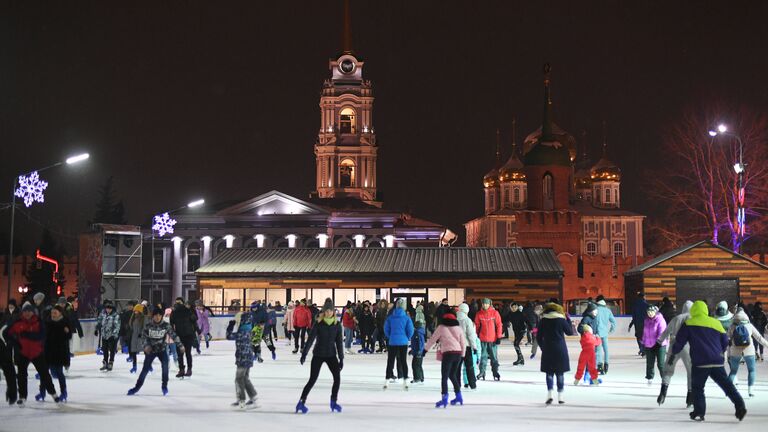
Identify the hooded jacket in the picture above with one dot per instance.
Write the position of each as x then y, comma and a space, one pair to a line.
759, 319
398, 328
724, 315
366, 322
419, 316
30, 334
450, 336
652, 330
156, 335
239, 330
588, 318
488, 325
302, 317
417, 341
467, 326
203, 323
58, 334
551, 338
604, 321
184, 321
110, 325
741, 318
288, 318
705, 335
674, 326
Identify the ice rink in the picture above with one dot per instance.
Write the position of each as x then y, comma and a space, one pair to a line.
97, 401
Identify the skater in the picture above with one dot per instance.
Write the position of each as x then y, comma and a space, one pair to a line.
109, 329
203, 324
6, 354
724, 315
58, 333
171, 347
328, 350
452, 349
685, 355
260, 334
488, 326
239, 330
417, 350
520, 327
288, 322
554, 352
537, 311
760, 321
606, 324
348, 322
302, 320
29, 333
742, 334
381, 319
472, 345
655, 347
419, 315
135, 334
708, 342
184, 323
587, 360
588, 318
125, 319
398, 329
156, 332
42, 310
639, 311
367, 325
271, 325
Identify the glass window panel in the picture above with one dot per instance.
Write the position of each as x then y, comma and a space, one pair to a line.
366, 294
384, 294
342, 297
320, 294
436, 294
276, 295
233, 294
253, 294
159, 261
212, 297
299, 293
455, 296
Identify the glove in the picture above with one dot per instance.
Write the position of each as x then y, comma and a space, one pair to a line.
96, 333
670, 359
302, 359
181, 349
341, 364
656, 347
498, 341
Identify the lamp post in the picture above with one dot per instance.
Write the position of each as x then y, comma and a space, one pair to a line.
163, 224
740, 170
31, 190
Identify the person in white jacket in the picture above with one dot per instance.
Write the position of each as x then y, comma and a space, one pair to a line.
288, 322
745, 348
685, 355
470, 340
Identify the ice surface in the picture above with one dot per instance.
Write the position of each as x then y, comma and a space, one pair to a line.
624, 401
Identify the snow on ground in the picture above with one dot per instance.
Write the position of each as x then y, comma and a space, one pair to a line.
625, 401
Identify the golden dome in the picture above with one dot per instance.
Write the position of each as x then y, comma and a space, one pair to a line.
605, 170
512, 170
491, 179
582, 179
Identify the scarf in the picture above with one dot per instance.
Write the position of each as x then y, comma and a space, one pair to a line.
330, 320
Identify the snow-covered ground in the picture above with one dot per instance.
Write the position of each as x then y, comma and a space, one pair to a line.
624, 401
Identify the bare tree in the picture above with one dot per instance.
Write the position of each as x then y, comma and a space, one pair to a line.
697, 185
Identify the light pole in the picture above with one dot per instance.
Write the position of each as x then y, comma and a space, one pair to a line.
31, 191
740, 168
163, 224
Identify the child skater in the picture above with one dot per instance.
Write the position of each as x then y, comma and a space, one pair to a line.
417, 350
329, 349
451, 353
587, 358
239, 330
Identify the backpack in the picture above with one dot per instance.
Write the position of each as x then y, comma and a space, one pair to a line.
741, 336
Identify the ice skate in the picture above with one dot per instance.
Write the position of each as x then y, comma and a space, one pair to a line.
239, 404
301, 407
21, 403
274, 355
335, 407
386, 384
252, 403
40, 397
650, 382
133, 391
605, 368
749, 391
180, 375
533, 356
133, 369
740, 413
442, 403
689, 400
164, 390
595, 382
662, 395
519, 362
696, 417
560, 398
457, 400
109, 367
576, 382
481, 376
405, 383
549, 398
496, 376
103, 367
189, 372
63, 396
295, 351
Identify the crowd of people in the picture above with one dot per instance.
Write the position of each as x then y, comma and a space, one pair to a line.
466, 337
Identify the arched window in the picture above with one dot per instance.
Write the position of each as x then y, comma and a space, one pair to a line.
347, 121
347, 173
282, 244
221, 247
516, 195
548, 192
193, 257
618, 250
345, 244
607, 195
591, 248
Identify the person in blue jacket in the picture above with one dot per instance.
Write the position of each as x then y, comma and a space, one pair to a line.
398, 329
417, 350
639, 308
606, 324
707, 341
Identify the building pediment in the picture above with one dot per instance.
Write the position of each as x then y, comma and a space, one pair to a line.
273, 203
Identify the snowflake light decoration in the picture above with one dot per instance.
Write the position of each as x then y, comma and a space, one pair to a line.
31, 188
164, 224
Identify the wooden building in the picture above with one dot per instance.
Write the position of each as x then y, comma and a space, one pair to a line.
700, 271
418, 274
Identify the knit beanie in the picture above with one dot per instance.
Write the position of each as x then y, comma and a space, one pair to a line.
28, 307
38, 297
138, 308
586, 328
401, 303
328, 305
486, 301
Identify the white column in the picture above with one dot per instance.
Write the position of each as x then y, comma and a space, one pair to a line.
359, 239
389, 240
291, 240
177, 268
206, 249
323, 240
259, 240
230, 239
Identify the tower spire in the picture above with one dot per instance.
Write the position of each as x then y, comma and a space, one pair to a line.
605, 140
514, 135
584, 145
498, 148
546, 127
347, 42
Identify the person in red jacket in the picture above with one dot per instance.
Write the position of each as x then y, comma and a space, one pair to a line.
302, 321
587, 357
489, 329
30, 334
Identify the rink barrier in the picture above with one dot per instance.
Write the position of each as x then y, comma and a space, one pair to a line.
88, 343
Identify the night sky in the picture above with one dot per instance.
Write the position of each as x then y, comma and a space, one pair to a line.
180, 99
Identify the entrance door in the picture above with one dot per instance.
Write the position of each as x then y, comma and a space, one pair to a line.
411, 299
712, 291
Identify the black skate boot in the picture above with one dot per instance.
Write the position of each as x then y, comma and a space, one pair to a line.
689, 400
481, 376
103, 366
605, 368
662, 395
181, 373
189, 372
496, 376
109, 367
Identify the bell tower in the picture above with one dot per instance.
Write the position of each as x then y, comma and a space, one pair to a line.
346, 149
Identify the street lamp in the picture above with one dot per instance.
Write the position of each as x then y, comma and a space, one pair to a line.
30, 189
740, 168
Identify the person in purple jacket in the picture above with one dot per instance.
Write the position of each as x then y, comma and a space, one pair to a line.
203, 324
655, 351
708, 341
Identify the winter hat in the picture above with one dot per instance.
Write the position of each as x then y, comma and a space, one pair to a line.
62, 300
553, 307
138, 308
464, 308
157, 311
591, 308
449, 316
38, 297
722, 309
401, 303
13, 302
167, 312
652, 309
27, 307
586, 328
198, 302
108, 304
486, 301
254, 305
327, 305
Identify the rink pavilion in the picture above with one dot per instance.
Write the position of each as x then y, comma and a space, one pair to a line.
417, 274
